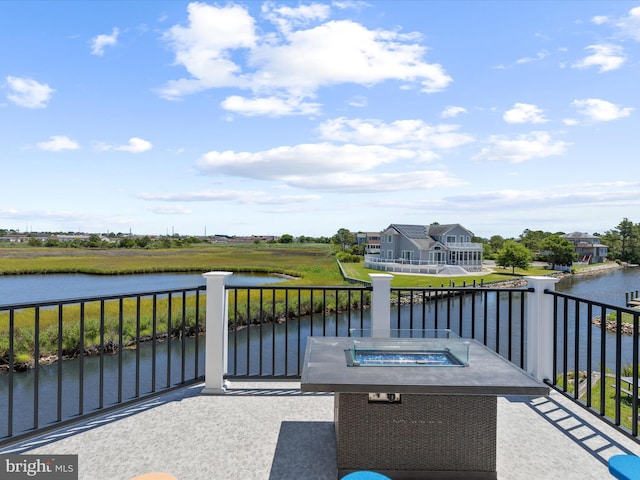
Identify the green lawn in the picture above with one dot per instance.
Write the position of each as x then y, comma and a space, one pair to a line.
610, 399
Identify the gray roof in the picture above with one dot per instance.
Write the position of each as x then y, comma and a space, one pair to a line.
422, 235
577, 235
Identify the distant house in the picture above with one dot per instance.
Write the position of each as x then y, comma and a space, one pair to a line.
370, 240
588, 247
14, 238
435, 249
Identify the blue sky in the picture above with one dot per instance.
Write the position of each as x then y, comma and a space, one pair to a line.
254, 117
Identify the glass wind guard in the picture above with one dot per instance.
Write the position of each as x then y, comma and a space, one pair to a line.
428, 348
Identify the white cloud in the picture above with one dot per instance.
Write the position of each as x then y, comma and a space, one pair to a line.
328, 167
204, 47
169, 210
292, 63
286, 18
99, 42
375, 182
270, 106
524, 113
521, 148
58, 143
601, 110
358, 101
136, 145
630, 25
414, 133
28, 93
541, 55
452, 111
606, 57
306, 159
600, 19
605, 195
247, 197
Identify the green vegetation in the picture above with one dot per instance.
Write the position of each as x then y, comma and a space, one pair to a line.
514, 255
608, 383
313, 263
168, 322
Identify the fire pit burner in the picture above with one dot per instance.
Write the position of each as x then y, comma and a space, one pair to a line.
408, 348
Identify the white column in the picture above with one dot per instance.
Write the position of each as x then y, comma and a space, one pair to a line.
381, 304
540, 327
216, 336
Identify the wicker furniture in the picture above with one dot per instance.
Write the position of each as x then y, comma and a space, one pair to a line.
434, 423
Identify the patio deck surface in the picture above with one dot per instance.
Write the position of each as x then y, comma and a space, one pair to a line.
272, 431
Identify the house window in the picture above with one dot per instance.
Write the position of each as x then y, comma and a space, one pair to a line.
407, 255
451, 239
389, 239
390, 254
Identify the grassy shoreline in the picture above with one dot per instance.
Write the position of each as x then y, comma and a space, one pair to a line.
304, 265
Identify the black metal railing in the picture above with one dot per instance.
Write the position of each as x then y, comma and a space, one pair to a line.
493, 316
269, 326
269, 341
128, 347
120, 348
596, 358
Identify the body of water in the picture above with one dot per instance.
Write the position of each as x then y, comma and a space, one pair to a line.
16, 289
609, 287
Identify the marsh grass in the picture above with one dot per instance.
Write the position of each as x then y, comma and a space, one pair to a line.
312, 262
251, 306
105, 325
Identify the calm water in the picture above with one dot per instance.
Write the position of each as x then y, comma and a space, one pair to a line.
36, 288
609, 288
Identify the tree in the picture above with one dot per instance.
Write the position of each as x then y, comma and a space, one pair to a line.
514, 255
532, 239
558, 251
496, 242
126, 242
626, 234
143, 242
35, 242
344, 238
286, 238
94, 241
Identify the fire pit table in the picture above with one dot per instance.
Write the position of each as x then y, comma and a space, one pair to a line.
421, 405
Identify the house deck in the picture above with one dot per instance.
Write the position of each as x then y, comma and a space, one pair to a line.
272, 431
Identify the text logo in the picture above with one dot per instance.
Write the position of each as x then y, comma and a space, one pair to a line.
50, 467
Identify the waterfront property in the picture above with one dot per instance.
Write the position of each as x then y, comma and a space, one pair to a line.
142, 409
588, 248
434, 249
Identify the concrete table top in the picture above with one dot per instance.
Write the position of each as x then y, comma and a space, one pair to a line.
325, 370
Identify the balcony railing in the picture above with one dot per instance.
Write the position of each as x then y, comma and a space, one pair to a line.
145, 344
596, 358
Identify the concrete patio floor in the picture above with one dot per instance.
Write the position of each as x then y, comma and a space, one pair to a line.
272, 431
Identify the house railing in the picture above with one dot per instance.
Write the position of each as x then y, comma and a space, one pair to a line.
464, 246
117, 349
595, 358
262, 331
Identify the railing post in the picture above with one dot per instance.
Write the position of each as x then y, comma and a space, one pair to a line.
217, 331
540, 327
381, 304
